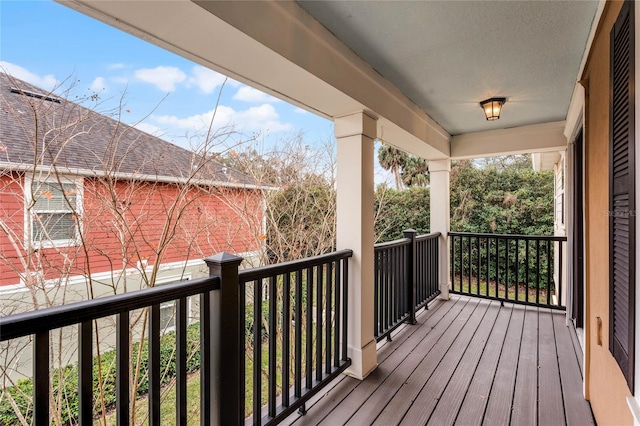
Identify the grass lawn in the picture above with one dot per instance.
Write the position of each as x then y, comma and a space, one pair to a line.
490, 290
167, 407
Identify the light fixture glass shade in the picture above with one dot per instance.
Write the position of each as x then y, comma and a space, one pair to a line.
492, 108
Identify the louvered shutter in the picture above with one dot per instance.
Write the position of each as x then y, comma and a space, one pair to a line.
621, 195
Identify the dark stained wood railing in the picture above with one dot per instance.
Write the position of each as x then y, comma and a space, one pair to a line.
297, 331
405, 279
520, 269
306, 299
40, 323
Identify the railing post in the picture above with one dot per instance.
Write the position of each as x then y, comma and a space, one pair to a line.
228, 343
411, 274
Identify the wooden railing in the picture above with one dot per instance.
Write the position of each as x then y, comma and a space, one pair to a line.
297, 323
406, 279
300, 330
39, 324
521, 269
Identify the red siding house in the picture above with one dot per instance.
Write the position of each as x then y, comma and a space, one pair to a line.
90, 206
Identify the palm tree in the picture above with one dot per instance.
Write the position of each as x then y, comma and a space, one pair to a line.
415, 171
393, 159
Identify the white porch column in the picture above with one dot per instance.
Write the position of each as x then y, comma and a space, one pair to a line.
355, 134
440, 219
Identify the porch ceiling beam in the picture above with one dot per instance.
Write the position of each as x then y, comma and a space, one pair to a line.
279, 48
518, 140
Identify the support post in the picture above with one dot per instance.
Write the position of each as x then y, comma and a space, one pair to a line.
440, 220
411, 274
355, 134
227, 341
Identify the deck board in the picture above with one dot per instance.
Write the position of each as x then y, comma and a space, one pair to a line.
468, 361
417, 377
501, 396
468, 344
551, 409
525, 397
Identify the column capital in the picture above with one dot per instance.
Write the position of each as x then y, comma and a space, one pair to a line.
440, 165
358, 123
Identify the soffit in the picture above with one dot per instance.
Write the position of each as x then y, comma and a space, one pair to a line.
446, 56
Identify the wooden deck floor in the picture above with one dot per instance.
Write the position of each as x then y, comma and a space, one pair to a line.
468, 361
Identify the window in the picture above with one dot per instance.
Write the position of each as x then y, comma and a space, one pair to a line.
53, 209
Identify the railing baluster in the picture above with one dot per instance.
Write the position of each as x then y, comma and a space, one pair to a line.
181, 361
257, 352
205, 359
506, 268
338, 276
41, 379
319, 319
549, 264
469, 268
537, 271
297, 374
517, 269
376, 293
452, 262
345, 306
122, 368
478, 251
273, 327
487, 284
461, 264
85, 372
497, 268
559, 290
309, 330
331, 314
286, 338
527, 270
154, 365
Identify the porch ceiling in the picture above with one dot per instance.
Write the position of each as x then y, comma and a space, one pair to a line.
446, 56
420, 67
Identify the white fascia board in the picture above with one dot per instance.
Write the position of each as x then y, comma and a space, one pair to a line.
278, 48
19, 167
517, 140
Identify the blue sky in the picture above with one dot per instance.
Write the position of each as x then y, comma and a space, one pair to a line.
48, 44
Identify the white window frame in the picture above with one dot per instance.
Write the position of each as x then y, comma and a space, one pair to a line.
29, 183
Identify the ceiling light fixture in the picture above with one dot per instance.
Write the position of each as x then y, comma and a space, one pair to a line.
492, 107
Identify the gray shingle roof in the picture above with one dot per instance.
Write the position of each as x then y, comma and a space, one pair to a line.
71, 136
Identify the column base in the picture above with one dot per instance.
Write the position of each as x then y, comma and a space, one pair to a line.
363, 361
444, 292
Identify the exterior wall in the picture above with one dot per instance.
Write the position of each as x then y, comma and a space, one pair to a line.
119, 252
125, 238
605, 387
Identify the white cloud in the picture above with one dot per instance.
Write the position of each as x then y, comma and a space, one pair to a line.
208, 80
164, 78
263, 118
299, 110
47, 82
118, 66
249, 94
99, 84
